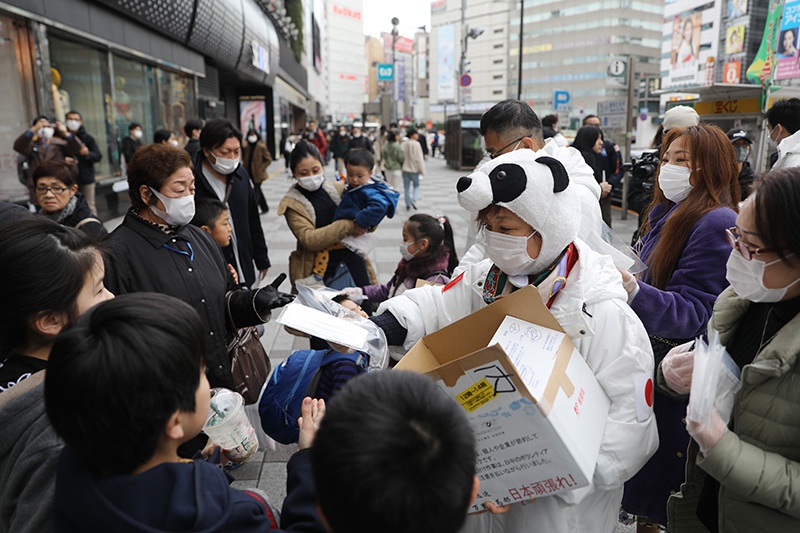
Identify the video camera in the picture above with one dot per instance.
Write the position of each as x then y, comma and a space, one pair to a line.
643, 179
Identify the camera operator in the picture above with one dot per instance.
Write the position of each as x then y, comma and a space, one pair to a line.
643, 170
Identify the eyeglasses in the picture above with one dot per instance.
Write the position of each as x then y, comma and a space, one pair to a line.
499, 152
736, 243
55, 189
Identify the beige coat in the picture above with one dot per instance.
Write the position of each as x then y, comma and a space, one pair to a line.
414, 161
302, 219
261, 160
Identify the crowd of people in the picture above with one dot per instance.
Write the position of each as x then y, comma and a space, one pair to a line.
110, 343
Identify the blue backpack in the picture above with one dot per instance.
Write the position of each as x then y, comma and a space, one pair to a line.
294, 379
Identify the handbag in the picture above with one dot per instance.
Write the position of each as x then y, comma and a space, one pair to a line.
250, 364
341, 279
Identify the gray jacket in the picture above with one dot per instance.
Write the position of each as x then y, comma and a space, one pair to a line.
29, 451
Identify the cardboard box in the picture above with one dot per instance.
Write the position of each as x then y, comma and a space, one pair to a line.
537, 411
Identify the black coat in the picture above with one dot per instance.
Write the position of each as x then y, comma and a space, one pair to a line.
84, 219
146, 259
746, 178
86, 162
361, 142
243, 206
192, 147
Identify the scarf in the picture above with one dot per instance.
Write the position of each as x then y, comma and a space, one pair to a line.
552, 280
61, 216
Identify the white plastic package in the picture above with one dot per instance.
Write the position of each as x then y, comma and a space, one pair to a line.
715, 381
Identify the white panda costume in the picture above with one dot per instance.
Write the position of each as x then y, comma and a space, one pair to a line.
592, 309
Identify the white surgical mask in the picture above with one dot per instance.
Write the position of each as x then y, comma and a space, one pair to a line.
674, 182
47, 132
224, 166
509, 252
174, 143
179, 211
356, 135
747, 279
252, 139
73, 125
772, 142
311, 183
137, 134
408, 256
342, 133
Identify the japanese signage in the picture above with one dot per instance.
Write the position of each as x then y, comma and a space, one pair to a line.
788, 42
691, 34
445, 74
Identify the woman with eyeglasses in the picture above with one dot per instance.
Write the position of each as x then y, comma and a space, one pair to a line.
747, 472
60, 200
685, 248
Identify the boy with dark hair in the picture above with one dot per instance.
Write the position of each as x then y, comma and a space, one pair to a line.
415, 466
192, 129
124, 388
211, 216
366, 200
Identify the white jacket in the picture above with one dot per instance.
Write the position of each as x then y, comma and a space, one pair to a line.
789, 152
592, 310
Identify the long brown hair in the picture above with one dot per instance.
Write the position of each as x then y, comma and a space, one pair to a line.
715, 181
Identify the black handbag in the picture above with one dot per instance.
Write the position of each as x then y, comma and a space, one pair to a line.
250, 364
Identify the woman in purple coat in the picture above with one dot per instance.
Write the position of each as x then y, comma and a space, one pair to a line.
685, 248
429, 254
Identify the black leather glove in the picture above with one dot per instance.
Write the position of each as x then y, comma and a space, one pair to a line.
269, 298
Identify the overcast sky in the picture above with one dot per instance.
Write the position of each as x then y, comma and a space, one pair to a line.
412, 13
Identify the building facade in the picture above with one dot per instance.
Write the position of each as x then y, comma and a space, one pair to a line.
348, 79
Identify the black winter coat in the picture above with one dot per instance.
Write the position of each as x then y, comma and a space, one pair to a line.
84, 219
245, 218
86, 162
188, 266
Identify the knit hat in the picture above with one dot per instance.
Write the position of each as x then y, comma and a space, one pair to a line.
738, 133
680, 117
534, 187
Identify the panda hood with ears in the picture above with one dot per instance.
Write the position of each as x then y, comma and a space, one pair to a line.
534, 187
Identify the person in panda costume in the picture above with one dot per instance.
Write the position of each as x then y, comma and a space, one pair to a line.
528, 212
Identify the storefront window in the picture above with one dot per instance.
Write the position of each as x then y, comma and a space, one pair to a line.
177, 100
81, 83
13, 111
135, 97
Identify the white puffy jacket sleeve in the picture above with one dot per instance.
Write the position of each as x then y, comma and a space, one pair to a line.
619, 351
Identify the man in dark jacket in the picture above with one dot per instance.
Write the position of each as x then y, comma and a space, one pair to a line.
219, 176
132, 142
340, 145
46, 140
89, 155
359, 141
742, 144
192, 129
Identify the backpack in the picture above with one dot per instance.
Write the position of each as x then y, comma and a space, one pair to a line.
294, 379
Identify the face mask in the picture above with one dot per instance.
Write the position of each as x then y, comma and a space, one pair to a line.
224, 166
252, 139
47, 132
179, 211
311, 183
404, 251
674, 182
342, 133
356, 135
509, 252
137, 134
747, 279
772, 143
174, 143
73, 125
742, 153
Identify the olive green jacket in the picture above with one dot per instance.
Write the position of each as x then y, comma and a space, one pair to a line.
758, 463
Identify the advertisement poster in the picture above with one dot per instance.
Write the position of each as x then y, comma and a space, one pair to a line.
253, 115
691, 35
734, 39
787, 55
446, 74
732, 72
737, 8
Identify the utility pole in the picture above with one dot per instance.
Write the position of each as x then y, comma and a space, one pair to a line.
395, 33
630, 124
461, 64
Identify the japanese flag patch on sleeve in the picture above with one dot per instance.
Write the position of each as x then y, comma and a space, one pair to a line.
644, 396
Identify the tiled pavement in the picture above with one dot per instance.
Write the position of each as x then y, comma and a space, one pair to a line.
267, 468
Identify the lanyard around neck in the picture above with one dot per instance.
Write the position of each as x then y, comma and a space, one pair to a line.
189, 254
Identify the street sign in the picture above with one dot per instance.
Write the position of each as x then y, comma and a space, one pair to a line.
385, 72
561, 101
617, 72
614, 121
612, 107
466, 80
